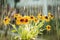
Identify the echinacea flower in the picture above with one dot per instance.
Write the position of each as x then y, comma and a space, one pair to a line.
43, 17
32, 17
18, 22
35, 20
18, 18
21, 21
16, 15
47, 19
6, 20
49, 13
39, 16
50, 16
26, 20
48, 27
28, 17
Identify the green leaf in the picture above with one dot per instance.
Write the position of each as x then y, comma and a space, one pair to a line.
40, 33
41, 24
15, 37
14, 26
13, 31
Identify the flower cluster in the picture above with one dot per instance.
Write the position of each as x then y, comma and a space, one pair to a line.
19, 19
29, 26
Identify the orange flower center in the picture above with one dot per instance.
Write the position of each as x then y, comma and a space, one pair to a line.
15, 18
21, 20
5, 19
48, 27
35, 19
51, 15
46, 17
26, 20
31, 17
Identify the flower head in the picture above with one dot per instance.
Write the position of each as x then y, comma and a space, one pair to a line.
48, 27
39, 16
28, 17
6, 20
35, 20
50, 15
26, 20
18, 22
17, 16
43, 17
47, 19
32, 17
